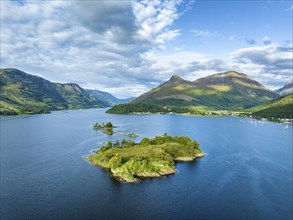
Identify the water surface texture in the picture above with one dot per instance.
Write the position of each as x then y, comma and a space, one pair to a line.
246, 174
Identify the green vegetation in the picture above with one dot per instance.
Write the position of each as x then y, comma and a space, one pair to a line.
133, 135
150, 108
218, 94
130, 162
22, 93
230, 91
107, 128
97, 126
278, 108
108, 131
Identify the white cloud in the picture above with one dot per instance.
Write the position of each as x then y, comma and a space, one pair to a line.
116, 45
205, 33
153, 19
269, 64
83, 41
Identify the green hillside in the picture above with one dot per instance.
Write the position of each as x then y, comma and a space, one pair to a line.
22, 93
223, 91
278, 108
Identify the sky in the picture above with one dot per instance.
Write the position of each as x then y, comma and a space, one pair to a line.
128, 47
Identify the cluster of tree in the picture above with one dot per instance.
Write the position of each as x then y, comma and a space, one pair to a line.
275, 112
184, 140
277, 108
108, 125
158, 140
144, 108
117, 143
24, 110
107, 128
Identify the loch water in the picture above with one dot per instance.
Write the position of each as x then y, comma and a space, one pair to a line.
246, 173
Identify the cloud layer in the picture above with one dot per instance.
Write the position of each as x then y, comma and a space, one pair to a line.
120, 46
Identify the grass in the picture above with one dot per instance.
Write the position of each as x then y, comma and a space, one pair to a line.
130, 162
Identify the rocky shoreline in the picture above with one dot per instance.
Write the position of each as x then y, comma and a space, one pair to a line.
186, 159
140, 176
150, 158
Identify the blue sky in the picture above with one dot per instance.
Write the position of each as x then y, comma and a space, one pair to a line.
230, 25
129, 47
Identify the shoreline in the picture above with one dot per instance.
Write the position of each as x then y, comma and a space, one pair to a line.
275, 120
288, 121
142, 176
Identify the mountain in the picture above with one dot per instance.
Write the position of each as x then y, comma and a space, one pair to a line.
107, 97
279, 108
22, 93
232, 90
286, 90
222, 91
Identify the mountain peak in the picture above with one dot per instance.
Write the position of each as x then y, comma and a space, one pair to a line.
231, 73
286, 89
175, 78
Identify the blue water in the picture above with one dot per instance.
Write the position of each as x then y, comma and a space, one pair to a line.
246, 174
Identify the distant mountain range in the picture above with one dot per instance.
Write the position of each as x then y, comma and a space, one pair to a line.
107, 97
230, 91
22, 93
286, 90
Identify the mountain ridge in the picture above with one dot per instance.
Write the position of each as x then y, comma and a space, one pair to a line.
108, 97
286, 89
209, 90
23, 93
221, 91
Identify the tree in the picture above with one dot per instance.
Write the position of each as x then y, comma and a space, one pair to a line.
130, 143
117, 143
145, 141
109, 144
109, 125
124, 143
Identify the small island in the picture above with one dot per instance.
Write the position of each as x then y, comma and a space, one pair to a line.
128, 161
133, 135
107, 128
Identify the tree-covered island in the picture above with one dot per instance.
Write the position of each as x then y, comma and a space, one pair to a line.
132, 135
128, 161
107, 128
